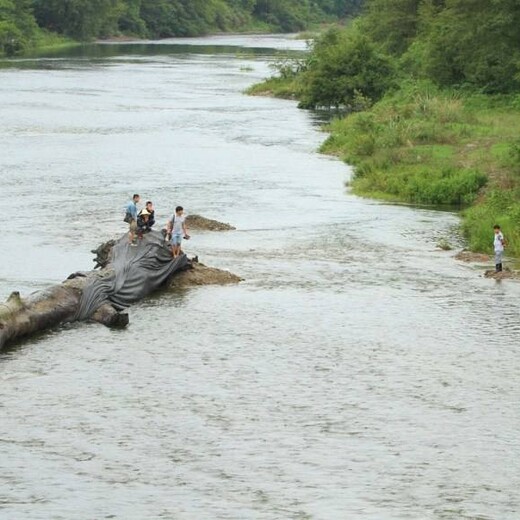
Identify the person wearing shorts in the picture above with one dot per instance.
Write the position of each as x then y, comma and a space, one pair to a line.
178, 230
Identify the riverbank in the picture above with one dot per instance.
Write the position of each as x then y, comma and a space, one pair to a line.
23, 27
424, 145
41, 41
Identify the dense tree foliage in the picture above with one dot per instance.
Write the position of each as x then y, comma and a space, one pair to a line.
80, 19
17, 26
20, 20
474, 42
471, 44
345, 69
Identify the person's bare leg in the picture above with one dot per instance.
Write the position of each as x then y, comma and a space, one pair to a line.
132, 232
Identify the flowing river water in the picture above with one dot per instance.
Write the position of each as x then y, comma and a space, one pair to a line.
357, 373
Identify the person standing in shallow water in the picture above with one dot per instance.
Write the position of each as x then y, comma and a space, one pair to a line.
499, 244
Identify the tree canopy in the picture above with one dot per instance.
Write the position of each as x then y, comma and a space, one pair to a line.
20, 20
17, 25
345, 69
471, 44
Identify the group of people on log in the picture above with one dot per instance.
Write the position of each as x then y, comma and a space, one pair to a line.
141, 222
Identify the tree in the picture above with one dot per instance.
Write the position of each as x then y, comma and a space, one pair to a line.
475, 42
17, 26
392, 23
345, 68
80, 19
130, 21
287, 14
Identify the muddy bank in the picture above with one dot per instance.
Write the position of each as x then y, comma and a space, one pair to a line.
470, 257
199, 223
480, 258
502, 275
199, 274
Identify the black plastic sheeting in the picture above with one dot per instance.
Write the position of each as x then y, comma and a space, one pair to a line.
136, 271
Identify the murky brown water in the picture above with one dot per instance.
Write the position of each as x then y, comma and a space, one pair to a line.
358, 372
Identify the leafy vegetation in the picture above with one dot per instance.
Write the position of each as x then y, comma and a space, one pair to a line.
27, 23
346, 67
414, 146
17, 26
431, 92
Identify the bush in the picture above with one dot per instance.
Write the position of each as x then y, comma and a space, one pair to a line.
12, 39
345, 70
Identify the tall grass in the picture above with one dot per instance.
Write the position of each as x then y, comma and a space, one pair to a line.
406, 148
430, 146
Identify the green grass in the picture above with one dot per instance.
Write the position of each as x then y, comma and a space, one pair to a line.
499, 207
46, 41
284, 88
426, 146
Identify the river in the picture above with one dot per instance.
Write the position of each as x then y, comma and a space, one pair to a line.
358, 372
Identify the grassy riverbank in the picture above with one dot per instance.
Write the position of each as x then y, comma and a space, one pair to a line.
432, 90
48, 42
23, 23
439, 147
40, 41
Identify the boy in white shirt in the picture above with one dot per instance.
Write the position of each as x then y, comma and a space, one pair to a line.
498, 243
177, 228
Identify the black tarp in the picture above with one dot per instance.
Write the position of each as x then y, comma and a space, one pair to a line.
134, 272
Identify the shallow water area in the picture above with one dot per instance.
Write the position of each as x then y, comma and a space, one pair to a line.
358, 372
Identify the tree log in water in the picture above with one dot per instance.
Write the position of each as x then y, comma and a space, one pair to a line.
65, 302
42, 310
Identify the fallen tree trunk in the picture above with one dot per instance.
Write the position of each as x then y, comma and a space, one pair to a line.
126, 275
45, 309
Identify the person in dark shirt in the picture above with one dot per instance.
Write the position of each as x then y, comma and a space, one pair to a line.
143, 223
151, 210
145, 219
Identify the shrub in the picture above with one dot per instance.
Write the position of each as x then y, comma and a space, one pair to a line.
345, 70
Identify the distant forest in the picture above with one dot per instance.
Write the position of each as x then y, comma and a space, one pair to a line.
31, 23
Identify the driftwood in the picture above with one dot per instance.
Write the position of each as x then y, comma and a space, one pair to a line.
59, 304
42, 310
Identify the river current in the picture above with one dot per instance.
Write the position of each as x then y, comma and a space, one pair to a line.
358, 372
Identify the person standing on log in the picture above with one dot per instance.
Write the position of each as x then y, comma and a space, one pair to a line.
143, 222
131, 218
151, 217
177, 228
145, 219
